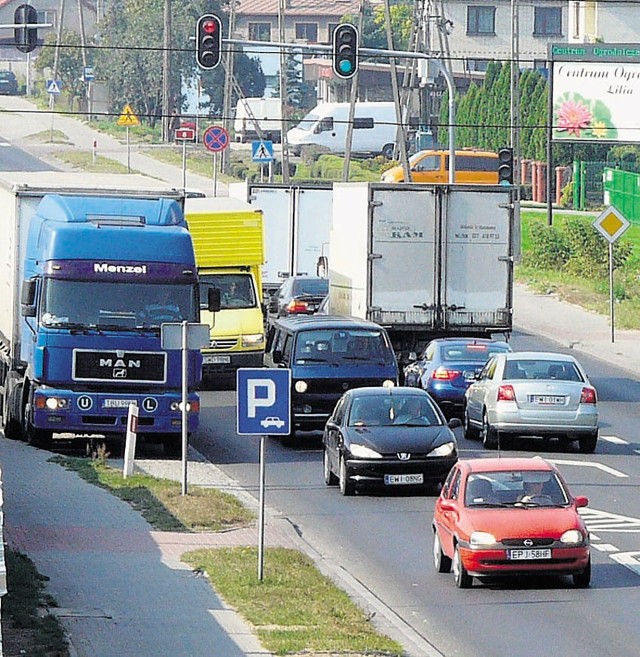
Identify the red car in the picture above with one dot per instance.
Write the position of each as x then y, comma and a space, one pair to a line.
509, 516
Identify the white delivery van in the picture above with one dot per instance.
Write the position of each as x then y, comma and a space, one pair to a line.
268, 114
374, 128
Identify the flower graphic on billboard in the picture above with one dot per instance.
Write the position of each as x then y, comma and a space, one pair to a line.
579, 118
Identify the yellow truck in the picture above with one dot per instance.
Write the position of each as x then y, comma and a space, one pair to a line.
228, 240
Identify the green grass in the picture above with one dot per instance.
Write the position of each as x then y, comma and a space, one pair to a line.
294, 608
31, 629
160, 501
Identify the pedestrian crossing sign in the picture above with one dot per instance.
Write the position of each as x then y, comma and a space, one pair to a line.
128, 117
262, 151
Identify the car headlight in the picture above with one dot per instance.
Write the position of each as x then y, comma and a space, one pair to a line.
443, 450
363, 452
252, 339
482, 539
301, 386
572, 537
388, 384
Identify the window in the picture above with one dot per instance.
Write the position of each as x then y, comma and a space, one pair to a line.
481, 20
307, 32
428, 163
47, 16
547, 21
474, 163
330, 28
477, 64
360, 123
260, 31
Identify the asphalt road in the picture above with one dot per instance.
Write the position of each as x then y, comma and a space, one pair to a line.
15, 159
385, 540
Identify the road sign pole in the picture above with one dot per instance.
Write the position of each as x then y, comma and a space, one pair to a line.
611, 304
52, 100
128, 152
215, 173
184, 164
185, 410
261, 512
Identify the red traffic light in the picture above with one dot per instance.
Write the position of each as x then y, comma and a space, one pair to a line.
208, 41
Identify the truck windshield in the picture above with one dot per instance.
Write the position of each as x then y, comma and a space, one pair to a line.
342, 345
236, 290
116, 305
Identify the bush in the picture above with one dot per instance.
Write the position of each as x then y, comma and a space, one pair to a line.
549, 247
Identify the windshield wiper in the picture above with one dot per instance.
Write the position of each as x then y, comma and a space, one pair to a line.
311, 359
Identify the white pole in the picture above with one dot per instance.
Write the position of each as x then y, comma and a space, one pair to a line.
215, 173
184, 164
611, 304
261, 513
128, 152
130, 441
185, 414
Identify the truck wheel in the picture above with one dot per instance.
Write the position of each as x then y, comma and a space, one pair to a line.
10, 423
36, 437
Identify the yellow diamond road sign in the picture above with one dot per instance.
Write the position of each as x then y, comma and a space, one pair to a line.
611, 224
128, 117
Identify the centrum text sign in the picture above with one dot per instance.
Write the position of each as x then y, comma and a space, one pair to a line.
595, 52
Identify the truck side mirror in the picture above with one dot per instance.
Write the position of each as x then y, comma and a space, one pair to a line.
213, 299
277, 356
28, 298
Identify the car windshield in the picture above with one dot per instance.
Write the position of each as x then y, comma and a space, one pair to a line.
473, 352
341, 346
563, 370
317, 287
388, 410
515, 488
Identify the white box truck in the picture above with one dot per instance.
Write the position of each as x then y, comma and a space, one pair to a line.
374, 129
267, 113
424, 261
297, 219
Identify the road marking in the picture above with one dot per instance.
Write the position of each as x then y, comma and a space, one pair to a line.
637, 451
628, 559
605, 547
615, 440
590, 464
601, 521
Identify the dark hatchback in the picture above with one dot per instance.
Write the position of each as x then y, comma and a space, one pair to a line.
299, 295
448, 366
8, 83
328, 355
388, 437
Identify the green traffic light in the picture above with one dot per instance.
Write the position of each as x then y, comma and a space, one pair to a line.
345, 66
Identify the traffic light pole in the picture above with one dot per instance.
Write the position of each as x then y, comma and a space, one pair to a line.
376, 53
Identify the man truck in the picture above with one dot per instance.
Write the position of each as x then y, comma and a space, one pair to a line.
86, 263
229, 244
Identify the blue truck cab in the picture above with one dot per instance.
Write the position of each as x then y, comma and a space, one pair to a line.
99, 274
328, 355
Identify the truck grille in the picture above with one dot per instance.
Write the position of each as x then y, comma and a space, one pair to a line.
120, 366
223, 343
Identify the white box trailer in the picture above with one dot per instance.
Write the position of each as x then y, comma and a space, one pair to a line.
297, 220
423, 260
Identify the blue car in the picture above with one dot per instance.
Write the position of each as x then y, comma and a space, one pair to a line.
448, 366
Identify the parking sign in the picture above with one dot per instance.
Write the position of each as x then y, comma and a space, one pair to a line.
263, 401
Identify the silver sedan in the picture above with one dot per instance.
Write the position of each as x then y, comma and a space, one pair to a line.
534, 394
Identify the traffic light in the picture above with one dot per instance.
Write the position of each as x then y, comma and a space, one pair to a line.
208, 41
345, 50
26, 38
505, 166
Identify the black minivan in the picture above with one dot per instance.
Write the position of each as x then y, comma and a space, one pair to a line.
328, 355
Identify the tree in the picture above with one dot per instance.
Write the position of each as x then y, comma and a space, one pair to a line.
70, 63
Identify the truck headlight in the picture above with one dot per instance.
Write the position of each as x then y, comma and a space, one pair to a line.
52, 403
301, 386
252, 339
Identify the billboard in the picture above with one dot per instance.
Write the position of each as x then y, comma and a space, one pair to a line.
596, 93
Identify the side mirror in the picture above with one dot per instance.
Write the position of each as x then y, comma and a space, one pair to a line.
28, 298
277, 356
581, 501
213, 299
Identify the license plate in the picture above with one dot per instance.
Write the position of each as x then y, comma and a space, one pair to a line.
552, 400
521, 555
208, 359
117, 403
395, 480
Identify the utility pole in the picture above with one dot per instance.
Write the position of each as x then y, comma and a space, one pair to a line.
515, 105
166, 72
283, 94
228, 86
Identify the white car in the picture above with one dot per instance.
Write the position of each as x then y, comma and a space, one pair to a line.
272, 422
534, 394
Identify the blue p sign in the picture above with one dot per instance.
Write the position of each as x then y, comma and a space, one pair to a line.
263, 401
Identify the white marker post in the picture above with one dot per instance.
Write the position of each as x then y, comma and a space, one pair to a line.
130, 441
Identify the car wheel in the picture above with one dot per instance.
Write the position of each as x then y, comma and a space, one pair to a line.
470, 432
347, 487
583, 579
329, 478
441, 561
489, 434
387, 150
460, 574
588, 442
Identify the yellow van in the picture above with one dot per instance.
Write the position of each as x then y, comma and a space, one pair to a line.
472, 166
